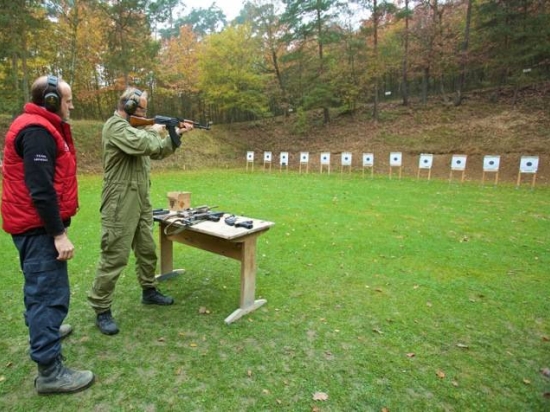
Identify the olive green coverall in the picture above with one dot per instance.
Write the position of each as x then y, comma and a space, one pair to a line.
126, 211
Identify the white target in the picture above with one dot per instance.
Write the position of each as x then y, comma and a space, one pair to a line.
346, 159
491, 163
458, 162
267, 156
529, 164
250, 156
368, 159
304, 157
284, 158
325, 158
395, 159
425, 161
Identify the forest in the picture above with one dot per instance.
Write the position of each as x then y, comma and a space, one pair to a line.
275, 58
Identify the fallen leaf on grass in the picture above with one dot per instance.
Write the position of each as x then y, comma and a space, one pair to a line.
455, 384
2, 378
384, 410
440, 374
526, 381
546, 395
193, 345
462, 345
546, 339
249, 373
161, 339
545, 372
411, 355
377, 331
320, 396
204, 311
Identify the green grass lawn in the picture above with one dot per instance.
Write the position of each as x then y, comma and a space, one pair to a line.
409, 295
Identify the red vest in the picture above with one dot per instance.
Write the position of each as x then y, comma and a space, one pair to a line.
18, 211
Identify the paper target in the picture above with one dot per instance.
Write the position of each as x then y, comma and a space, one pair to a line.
458, 162
304, 157
529, 164
425, 161
284, 158
267, 156
325, 158
368, 159
491, 163
395, 159
346, 159
250, 156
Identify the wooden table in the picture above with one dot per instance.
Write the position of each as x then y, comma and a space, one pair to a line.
222, 239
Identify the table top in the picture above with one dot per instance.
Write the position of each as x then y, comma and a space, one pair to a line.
218, 229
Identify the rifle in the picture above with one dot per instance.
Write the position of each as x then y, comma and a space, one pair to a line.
137, 121
185, 218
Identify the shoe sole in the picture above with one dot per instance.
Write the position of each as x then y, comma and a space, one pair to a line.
156, 303
68, 392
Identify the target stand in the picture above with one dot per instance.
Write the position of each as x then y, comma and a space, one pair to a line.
325, 163
345, 162
528, 165
491, 164
304, 162
425, 162
458, 164
368, 163
267, 161
250, 160
396, 162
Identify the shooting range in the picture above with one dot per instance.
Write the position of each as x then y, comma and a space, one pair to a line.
368, 163
345, 162
324, 162
250, 160
491, 164
396, 162
528, 165
425, 162
304, 161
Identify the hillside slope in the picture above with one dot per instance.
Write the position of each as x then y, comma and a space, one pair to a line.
488, 123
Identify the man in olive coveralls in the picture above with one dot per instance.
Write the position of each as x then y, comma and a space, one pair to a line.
126, 210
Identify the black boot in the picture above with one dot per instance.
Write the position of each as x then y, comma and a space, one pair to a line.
152, 296
106, 323
56, 378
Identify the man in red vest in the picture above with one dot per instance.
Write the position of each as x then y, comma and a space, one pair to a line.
39, 198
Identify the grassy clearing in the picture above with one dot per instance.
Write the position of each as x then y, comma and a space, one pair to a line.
399, 294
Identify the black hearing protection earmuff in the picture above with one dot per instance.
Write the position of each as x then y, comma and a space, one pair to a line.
132, 103
52, 101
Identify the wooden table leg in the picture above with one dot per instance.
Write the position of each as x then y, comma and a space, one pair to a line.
248, 302
166, 257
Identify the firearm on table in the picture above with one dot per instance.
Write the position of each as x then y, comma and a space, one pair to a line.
186, 217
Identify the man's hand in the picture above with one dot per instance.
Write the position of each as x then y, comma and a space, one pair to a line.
64, 246
186, 128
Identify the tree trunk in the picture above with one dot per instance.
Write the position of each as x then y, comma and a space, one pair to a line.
404, 89
464, 55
